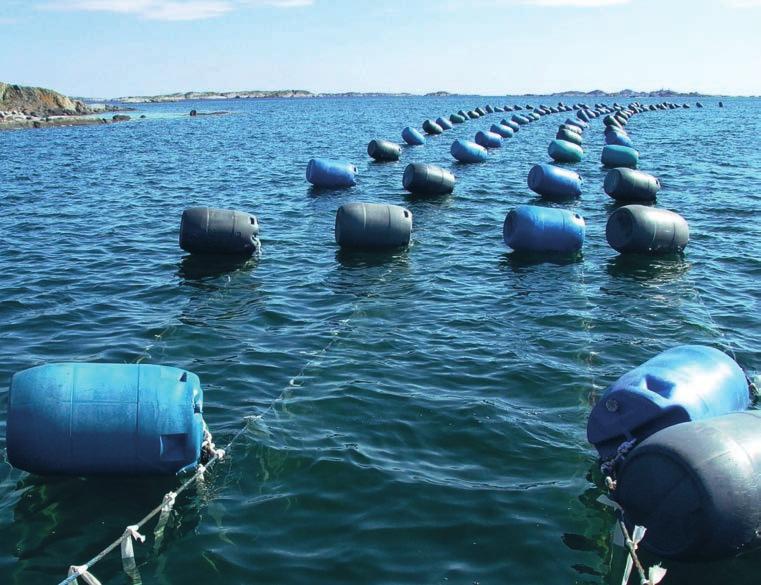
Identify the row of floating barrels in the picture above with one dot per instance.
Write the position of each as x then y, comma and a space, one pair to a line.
633, 228
680, 451
332, 174
630, 229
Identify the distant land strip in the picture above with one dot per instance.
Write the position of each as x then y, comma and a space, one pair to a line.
300, 93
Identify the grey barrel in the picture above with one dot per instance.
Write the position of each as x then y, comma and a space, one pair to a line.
427, 179
646, 230
373, 226
206, 230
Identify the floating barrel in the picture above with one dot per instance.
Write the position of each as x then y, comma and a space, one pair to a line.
104, 419
473, 115
614, 155
698, 105
205, 230
444, 123
629, 185
456, 119
514, 126
426, 179
499, 109
618, 139
432, 127
646, 230
480, 111
582, 115
564, 151
517, 108
569, 136
463, 114
721, 104
554, 182
489, 110
520, 120
503, 131
510, 108
488, 139
576, 122
684, 383
611, 121
372, 225
695, 487
332, 174
383, 150
468, 152
412, 136
571, 128
529, 228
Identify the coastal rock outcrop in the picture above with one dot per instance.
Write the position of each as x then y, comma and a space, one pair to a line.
37, 101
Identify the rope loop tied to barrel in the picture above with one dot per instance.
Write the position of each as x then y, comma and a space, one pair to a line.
608, 467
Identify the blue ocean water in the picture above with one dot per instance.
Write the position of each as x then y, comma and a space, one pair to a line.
422, 413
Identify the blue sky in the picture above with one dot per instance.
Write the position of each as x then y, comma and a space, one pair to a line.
109, 48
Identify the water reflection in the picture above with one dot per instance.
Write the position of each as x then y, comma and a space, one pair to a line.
517, 261
359, 258
198, 267
654, 269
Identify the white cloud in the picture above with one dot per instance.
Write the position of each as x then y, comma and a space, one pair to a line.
167, 9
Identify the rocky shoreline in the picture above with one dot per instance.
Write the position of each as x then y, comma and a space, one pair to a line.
36, 107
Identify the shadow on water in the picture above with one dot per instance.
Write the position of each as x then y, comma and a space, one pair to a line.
364, 258
655, 269
421, 198
49, 510
612, 205
199, 267
517, 261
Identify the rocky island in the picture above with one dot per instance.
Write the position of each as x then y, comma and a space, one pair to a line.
36, 107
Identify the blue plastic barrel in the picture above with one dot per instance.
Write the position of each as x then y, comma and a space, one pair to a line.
529, 228
619, 156
618, 139
554, 182
431, 127
514, 126
503, 131
412, 136
520, 120
685, 383
104, 419
488, 139
468, 152
331, 174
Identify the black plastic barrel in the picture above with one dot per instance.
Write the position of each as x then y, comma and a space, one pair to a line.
646, 230
205, 230
426, 179
383, 150
372, 226
432, 127
629, 185
695, 487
